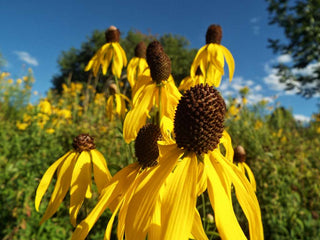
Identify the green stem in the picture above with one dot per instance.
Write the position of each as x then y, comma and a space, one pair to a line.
204, 211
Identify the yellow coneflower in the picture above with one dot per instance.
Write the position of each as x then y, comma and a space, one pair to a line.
137, 64
74, 173
210, 58
240, 160
155, 90
116, 103
109, 53
138, 212
198, 129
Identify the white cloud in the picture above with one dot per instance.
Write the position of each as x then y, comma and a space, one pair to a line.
301, 118
26, 57
257, 88
285, 58
308, 70
273, 80
254, 22
232, 89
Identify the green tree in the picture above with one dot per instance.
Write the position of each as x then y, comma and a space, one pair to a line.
72, 63
300, 21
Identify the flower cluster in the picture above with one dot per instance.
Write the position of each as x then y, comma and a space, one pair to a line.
181, 149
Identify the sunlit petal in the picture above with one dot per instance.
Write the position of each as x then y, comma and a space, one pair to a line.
62, 186
46, 179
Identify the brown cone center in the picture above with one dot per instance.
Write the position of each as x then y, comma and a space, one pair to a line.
199, 119
146, 147
83, 142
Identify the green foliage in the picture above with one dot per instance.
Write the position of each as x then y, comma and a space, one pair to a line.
286, 168
300, 21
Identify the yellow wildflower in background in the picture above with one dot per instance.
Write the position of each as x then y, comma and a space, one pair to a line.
116, 103
4, 75
258, 125
239, 160
45, 107
210, 58
22, 125
19, 81
50, 130
74, 171
99, 99
109, 53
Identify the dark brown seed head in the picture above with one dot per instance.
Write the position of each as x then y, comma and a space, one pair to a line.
146, 146
83, 142
113, 89
199, 118
239, 154
140, 50
214, 34
158, 61
112, 34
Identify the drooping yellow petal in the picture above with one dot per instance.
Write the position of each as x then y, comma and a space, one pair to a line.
107, 233
46, 179
201, 54
230, 61
124, 209
225, 140
215, 56
202, 179
143, 202
226, 221
154, 231
197, 230
109, 108
123, 54
117, 63
132, 71
117, 186
137, 116
62, 186
251, 176
245, 195
142, 81
180, 200
106, 60
118, 104
101, 172
81, 177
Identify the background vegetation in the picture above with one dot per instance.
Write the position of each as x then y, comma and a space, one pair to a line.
282, 153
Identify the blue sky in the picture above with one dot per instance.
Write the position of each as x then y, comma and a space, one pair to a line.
34, 33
